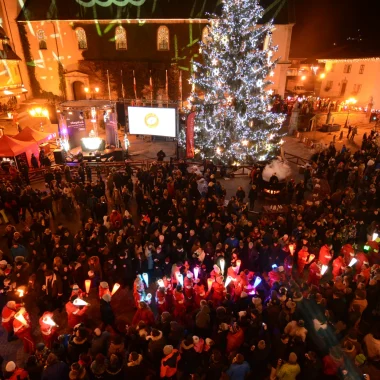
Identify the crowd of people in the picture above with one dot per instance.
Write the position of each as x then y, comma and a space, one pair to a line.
220, 292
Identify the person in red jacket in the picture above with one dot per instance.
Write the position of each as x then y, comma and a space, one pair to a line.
103, 289
348, 253
169, 363
314, 274
362, 259
179, 303
235, 338
75, 314
22, 328
115, 219
138, 290
338, 266
7, 316
199, 293
76, 291
161, 300
218, 291
12, 372
143, 313
325, 254
303, 255
48, 328
188, 285
288, 265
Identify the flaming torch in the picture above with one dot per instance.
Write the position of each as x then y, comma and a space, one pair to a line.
115, 288
209, 283
238, 264
87, 285
324, 269
353, 262
196, 272
228, 280
80, 302
47, 320
222, 265
146, 278
20, 317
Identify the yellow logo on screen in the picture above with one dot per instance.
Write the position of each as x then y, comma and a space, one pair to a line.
151, 120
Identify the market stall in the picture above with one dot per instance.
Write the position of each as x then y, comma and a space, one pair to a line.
16, 150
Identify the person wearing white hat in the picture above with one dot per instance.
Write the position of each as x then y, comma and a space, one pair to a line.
12, 372
7, 315
188, 285
103, 289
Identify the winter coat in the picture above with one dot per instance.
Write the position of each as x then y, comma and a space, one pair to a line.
169, 364
145, 315
155, 346
202, 319
238, 371
234, 341
288, 371
58, 370
77, 347
106, 312
99, 344
373, 346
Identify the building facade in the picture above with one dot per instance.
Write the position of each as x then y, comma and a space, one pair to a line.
81, 49
357, 78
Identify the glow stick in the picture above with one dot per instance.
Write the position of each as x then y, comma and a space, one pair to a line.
79, 302
146, 278
209, 283
115, 288
228, 280
196, 272
180, 278
238, 264
375, 236
222, 264
274, 266
324, 269
353, 262
160, 283
49, 321
257, 282
87, 285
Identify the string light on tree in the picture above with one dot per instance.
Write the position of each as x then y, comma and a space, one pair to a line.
233, 109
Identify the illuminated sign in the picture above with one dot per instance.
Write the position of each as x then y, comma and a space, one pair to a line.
107, 3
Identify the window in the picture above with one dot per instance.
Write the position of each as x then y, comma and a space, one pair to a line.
121, 38
329, 85
81, 37
41, 40
361, 70
163, 38
205, 34
347, 69
357, 88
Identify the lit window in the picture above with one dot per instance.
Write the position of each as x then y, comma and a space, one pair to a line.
41, 40
205, 34
121, 38
81, 37
361, 70
347, 69
163, 38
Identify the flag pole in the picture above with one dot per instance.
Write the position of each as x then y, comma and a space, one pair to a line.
167, 90
134, 85
109, 88
151, 88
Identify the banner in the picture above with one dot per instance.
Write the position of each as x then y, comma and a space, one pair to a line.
190, 135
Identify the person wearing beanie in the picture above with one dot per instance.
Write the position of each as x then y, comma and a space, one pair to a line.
103, 289
288, 370
106, 312
169, 363
7, 316
55, 369
99, 342
98, 366
239, 368
12, 372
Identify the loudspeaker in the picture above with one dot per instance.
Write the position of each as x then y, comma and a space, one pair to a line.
120, 111
118, 154
59, 156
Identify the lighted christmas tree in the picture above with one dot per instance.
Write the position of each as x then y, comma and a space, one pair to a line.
233, 122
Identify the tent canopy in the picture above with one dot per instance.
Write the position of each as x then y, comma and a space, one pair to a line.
10, 147
30, 134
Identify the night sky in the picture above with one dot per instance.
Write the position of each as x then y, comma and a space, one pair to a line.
321, 23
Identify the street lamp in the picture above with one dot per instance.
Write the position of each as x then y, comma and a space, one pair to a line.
348, 103
92, 92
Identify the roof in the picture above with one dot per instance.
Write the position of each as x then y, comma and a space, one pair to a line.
37, 10
10, 147
30, 134
354, 50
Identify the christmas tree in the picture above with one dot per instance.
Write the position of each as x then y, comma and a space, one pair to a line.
233, 122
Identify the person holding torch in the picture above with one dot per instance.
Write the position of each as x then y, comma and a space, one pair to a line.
22, 329
48, 328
